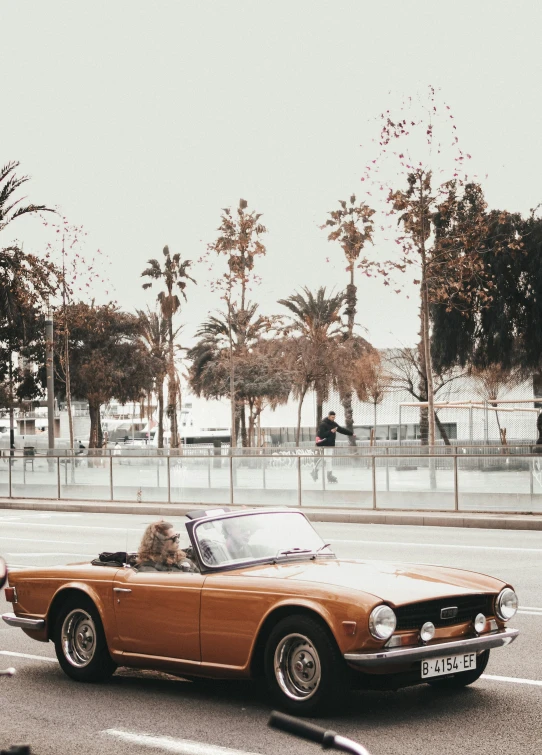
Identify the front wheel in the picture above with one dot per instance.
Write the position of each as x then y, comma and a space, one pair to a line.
80, 643
464, 678
304, 668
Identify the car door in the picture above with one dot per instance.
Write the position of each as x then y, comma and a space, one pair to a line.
158, 613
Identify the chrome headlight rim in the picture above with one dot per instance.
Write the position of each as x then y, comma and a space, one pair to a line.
376, 617
506, 592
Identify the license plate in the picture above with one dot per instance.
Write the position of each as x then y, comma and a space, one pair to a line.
448, 664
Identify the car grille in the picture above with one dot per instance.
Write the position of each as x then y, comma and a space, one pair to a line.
413, 616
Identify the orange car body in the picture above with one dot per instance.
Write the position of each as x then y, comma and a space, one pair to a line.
213, 624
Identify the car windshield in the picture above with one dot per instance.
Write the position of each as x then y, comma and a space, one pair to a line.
250, 537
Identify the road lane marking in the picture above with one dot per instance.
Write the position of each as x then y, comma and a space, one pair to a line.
36, 540
513, 679
531, 608
84, 527
434, 545
27, 655
529, 613
169, 744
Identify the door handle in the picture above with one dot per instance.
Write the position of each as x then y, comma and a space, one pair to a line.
121, 589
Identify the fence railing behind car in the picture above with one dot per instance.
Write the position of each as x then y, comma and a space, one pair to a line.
382, 480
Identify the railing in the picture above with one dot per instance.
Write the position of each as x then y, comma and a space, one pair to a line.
503, 480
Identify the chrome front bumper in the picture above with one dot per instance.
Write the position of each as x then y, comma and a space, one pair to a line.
23, 622
394, 657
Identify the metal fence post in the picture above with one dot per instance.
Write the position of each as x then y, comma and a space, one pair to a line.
57, 477
299, 503
209, 470
387, 469
168, 479
531, 476
10, 463
231, 478
110, 477
373, 470
456, 487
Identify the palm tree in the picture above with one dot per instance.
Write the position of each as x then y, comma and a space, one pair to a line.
15, 266
316, 320
174, 275
10, 208
241, 329
352, 227
154, 334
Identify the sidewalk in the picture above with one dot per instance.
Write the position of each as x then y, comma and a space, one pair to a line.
364, 516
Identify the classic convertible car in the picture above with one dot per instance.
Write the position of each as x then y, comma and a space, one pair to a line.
266, 596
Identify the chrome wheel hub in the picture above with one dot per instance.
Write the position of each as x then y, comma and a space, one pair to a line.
297, 667
78, 638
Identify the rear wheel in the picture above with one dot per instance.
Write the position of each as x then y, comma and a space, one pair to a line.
304, 668
464, 678
80, 643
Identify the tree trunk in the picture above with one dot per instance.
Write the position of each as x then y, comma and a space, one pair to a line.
68, 380
96, 436
442, 431
425, 332
244, 438
251, 426
422, 389
234, 422
348, 416
346, 399
160, 392
172, 391
319, 407
298, 428
11, 411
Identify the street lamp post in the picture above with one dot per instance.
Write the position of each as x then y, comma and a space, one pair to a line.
50, 378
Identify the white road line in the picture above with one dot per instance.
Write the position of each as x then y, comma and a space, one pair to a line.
36, 540
529, 613
26, 655
513, 679
169, 744
435, 545
530, 608
82, 527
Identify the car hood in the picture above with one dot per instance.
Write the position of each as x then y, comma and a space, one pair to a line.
396, 583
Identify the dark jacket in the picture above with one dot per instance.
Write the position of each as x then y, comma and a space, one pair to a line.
327, 438
539, 428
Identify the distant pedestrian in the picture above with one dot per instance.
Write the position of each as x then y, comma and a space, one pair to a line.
325, 438
539, 428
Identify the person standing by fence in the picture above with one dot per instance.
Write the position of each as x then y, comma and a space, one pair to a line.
325, 439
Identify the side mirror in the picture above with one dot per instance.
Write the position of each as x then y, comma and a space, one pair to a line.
3, 572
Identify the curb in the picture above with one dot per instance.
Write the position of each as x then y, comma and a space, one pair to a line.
414, 518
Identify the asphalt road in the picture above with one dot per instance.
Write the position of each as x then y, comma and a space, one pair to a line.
142, 712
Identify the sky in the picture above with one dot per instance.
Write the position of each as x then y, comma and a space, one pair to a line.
141, 121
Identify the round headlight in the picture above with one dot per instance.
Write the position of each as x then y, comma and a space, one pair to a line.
427, 632
480, 622
382, 622
507, 604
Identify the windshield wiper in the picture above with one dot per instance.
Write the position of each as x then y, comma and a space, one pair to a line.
293, 551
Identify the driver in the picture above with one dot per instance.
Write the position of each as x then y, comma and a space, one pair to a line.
159, 550
237, 532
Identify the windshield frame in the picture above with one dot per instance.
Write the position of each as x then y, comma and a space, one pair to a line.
193, 524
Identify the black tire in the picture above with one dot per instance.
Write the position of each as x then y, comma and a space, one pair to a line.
464, 678
305, 671
80, 643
